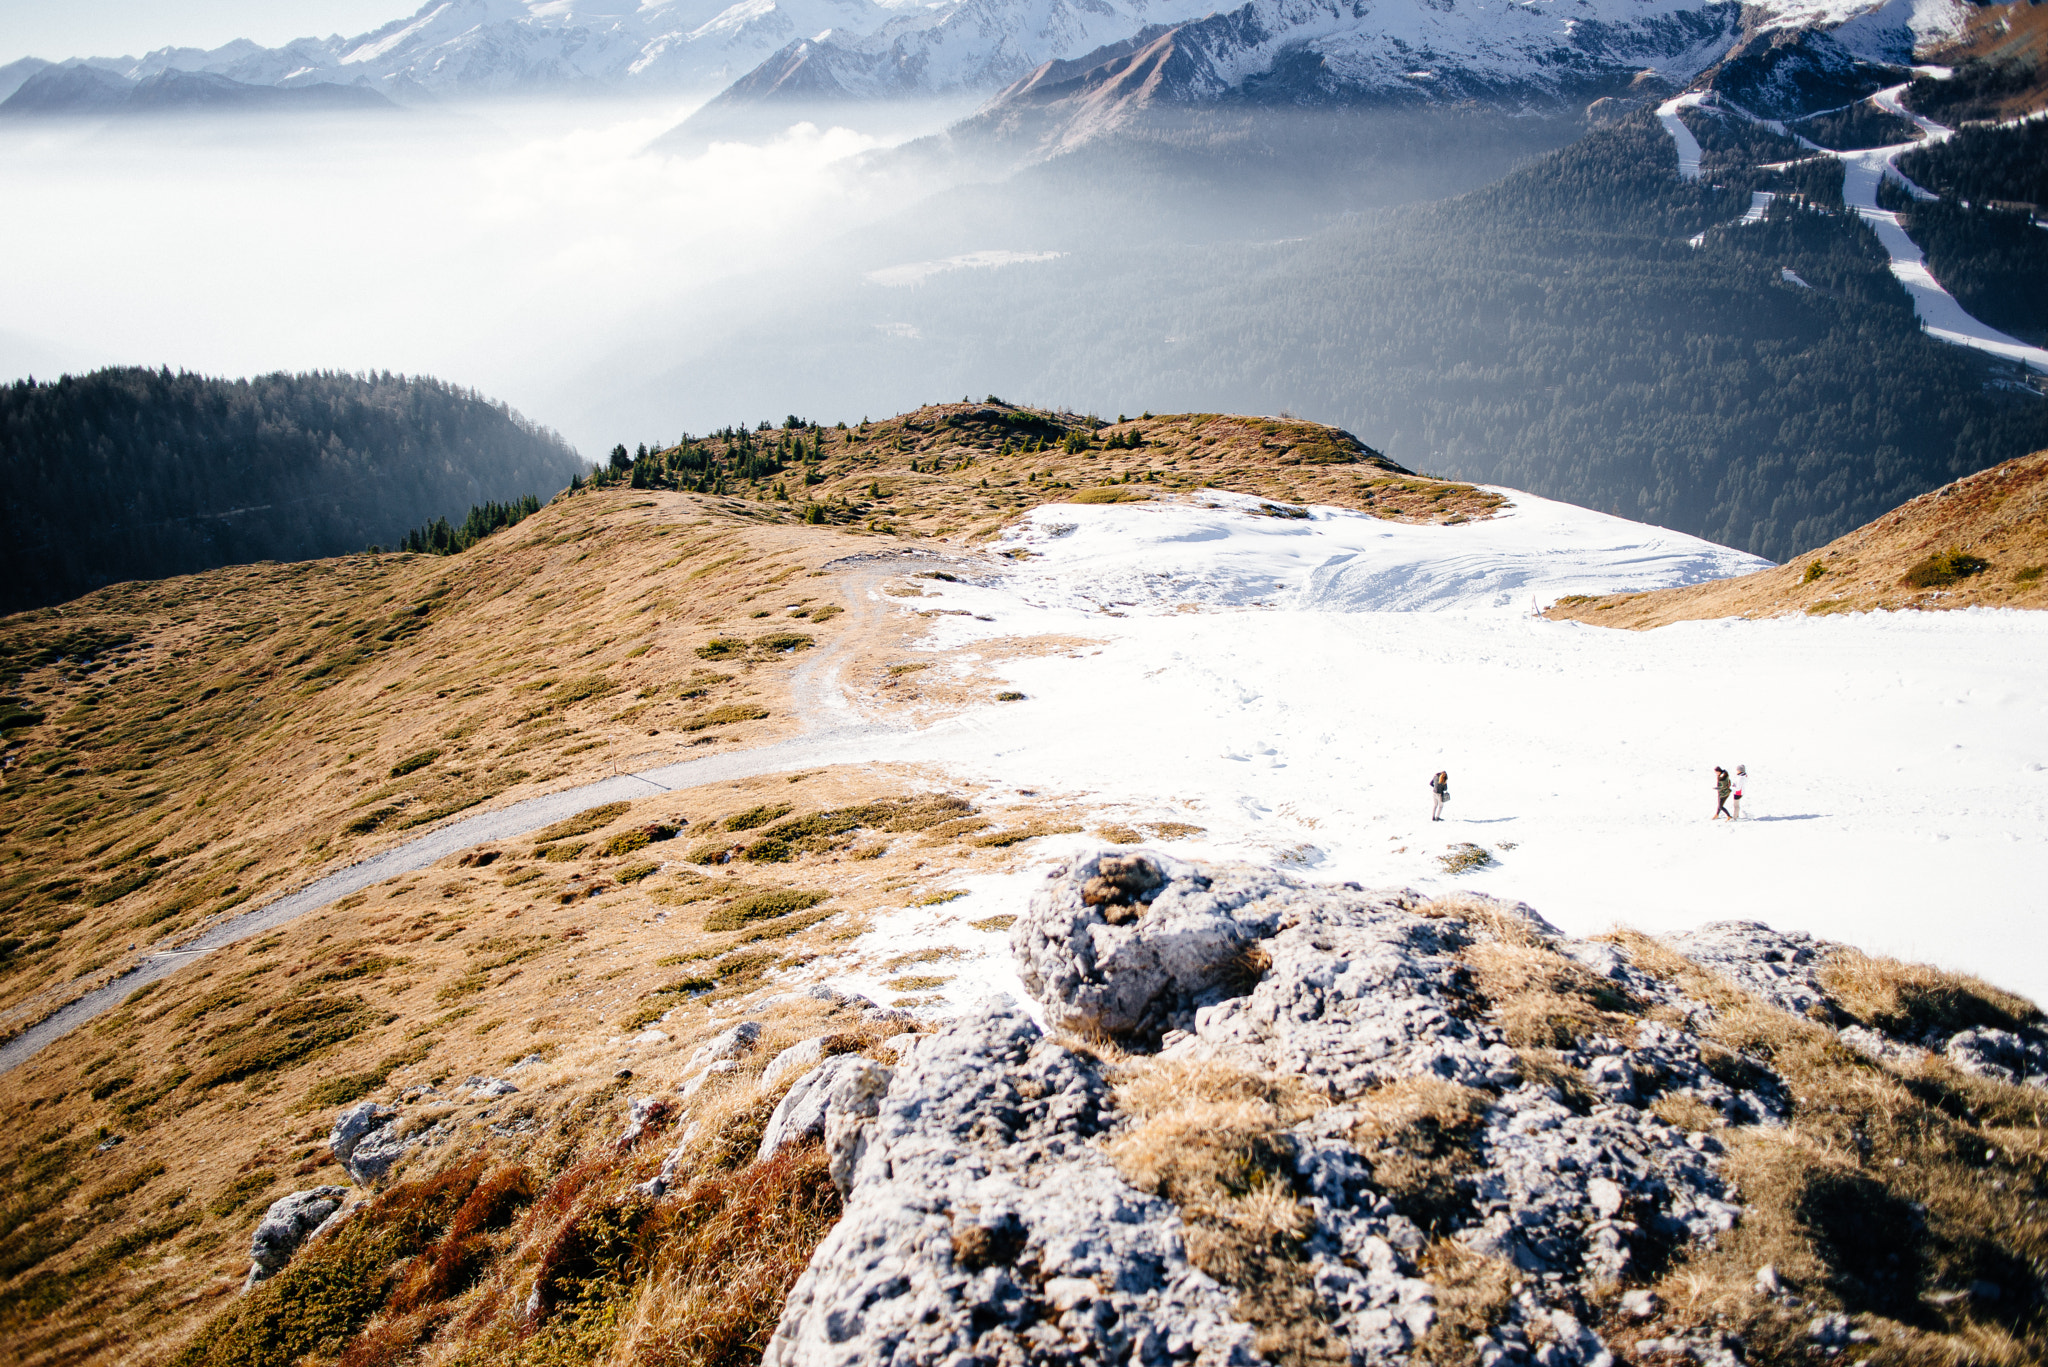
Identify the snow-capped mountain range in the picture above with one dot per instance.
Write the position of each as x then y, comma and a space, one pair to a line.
870, 48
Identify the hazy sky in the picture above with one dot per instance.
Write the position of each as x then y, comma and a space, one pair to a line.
56, 29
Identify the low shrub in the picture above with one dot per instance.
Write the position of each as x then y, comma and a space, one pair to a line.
762, 906
755, 817
1946, 567
1109, 495
728, 715
584, 822
412, 763
1464, 856
721, 648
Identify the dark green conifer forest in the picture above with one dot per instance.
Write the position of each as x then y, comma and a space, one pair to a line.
138, 474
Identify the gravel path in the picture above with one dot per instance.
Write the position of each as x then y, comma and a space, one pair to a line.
839, 735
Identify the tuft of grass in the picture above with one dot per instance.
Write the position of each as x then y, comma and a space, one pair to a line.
727, 714
280, 1034
584, 822
1119, 835
1814, 570
994, 923
938, 897
721, 648
2029, 575
755, 817
1830, 607
762, 906
1464, 856
1917, 1001
414, 762
1420, 1135
1945, 567
1009, 695
1210, 1139
1109, 495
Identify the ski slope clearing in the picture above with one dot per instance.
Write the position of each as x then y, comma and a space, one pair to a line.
1862, 171
1899, 797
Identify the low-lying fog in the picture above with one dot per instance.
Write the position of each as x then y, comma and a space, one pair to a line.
542, 253
508, 248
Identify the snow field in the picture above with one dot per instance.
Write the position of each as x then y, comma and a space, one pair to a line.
1295, 708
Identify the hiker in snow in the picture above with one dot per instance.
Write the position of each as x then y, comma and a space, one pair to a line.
1440, 787
1721, 789
1735, 805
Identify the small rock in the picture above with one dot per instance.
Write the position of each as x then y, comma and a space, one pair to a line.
1640, 1304
650, 1037
489, 1087
1606, 1196
352, 1124
797, 1056
529, 1061
801, 1114
1064, 1293
289, 1222
1829, 1331
734, 1043
110, 1143
1767, 1282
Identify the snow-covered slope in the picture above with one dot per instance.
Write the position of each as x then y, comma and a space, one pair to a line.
1289, 685
864, 48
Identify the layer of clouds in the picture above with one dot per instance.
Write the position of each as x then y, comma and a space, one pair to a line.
499, 248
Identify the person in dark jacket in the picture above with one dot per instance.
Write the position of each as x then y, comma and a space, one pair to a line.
1440, 787
1722, 787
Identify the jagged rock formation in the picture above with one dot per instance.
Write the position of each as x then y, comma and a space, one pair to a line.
1005, 1202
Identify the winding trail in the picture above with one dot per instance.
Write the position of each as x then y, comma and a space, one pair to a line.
836, 734
1862, 172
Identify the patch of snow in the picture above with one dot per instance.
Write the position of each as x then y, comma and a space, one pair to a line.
1323, 668
917, 272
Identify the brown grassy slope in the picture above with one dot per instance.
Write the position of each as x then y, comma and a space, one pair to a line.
964, 470
1999, 516
219, 738
2000, 34
427, 979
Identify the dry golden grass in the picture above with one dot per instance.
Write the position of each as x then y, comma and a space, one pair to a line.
1999, 515
460, 969
1208, 1137
1913, 1000
1890, 1195
1473, 1293
1420, 1136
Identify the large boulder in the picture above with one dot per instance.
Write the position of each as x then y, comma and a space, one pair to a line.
1124, 942
290, 1221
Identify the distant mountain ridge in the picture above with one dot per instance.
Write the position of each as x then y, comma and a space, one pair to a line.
867, 49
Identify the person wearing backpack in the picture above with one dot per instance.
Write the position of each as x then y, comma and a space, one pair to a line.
1722, 787
1440, 787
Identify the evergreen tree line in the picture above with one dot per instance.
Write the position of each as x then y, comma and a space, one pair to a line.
138, 474
438, 538
1985, 163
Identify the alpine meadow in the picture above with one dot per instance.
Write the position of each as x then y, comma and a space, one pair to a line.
1024, 683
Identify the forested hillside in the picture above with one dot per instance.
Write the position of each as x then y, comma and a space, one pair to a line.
1557, 331
139, 474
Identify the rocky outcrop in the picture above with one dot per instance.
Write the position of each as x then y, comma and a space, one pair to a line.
290, 1221
980, 1225
365, 1140
1466, 1077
